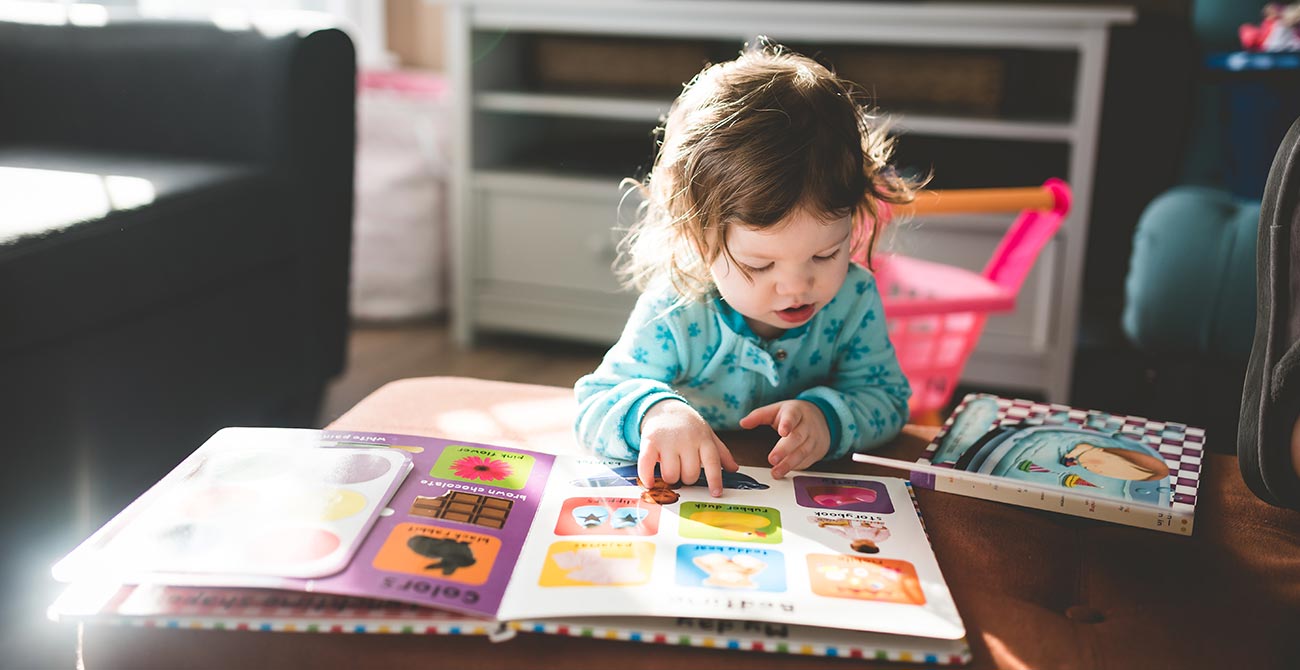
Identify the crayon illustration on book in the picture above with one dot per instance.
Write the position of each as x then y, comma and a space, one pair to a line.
1117, 468
500, 534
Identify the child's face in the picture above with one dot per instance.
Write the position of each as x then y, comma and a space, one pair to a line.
795, 268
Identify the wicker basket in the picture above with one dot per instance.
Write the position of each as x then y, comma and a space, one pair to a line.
928, 82
616, 65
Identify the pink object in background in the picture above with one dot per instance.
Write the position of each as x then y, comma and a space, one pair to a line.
936, 312
400, 233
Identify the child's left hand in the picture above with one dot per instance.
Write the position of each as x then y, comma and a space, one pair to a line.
805, 437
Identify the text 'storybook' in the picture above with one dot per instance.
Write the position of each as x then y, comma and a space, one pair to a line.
546, 543
1123, 469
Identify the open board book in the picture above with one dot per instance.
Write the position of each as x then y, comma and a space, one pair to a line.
1123, 469
496, 540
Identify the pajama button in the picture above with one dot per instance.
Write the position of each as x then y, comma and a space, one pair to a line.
780, 354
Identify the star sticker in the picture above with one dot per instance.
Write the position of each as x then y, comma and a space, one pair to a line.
629, 519
591, 520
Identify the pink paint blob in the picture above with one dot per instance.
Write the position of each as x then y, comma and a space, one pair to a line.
838, 496
293, 545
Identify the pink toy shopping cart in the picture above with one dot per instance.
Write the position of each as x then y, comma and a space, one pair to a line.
936, 312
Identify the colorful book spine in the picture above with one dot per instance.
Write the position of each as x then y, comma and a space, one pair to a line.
261, 610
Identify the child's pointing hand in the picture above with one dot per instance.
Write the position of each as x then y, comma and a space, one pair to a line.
805, 437
677, 438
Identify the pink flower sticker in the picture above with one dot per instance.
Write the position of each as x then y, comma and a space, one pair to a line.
481, 469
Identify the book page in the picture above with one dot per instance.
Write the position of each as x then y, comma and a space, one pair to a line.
254, 505
828, 550
456, 528
413, 519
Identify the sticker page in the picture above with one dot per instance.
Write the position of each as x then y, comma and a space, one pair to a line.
836, 551
456, 525
405, 518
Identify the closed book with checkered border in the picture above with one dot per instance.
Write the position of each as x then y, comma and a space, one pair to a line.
1122, 469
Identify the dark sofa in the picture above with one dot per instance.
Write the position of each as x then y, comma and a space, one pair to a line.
175, 230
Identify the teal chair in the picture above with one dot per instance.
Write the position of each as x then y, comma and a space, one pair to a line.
1189, 295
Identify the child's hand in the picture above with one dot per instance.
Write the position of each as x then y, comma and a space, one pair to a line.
678, 438
805, 437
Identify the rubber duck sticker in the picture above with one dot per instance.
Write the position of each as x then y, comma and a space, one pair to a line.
1098, 456
735, 523
740, 523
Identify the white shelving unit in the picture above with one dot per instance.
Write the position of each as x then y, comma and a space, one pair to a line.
534, 226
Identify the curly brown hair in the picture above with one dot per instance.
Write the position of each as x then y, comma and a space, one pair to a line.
748, 142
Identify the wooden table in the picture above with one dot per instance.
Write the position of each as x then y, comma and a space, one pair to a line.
1035, 589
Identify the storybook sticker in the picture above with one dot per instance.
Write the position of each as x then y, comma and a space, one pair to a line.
849, 495
607, 516
730, 568
735, 523
861, 578
860, 533
598, 564
442, 553
491, 467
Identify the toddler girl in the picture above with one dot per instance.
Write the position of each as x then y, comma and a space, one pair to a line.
769, 177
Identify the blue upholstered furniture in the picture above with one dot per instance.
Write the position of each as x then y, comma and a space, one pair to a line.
1190, 289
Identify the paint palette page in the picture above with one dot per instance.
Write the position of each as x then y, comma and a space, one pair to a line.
250, 506
406, 518
833, 551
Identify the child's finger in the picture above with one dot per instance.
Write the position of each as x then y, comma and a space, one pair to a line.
780, 470
783, 449
670, 468
793, 457
761, 416
724, 456
710, 460
787, 420
800, 460
645, 464
691, 465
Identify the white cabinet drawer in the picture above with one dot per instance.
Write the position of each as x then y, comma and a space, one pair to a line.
547, 232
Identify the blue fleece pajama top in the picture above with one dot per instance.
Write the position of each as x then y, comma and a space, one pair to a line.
705, 354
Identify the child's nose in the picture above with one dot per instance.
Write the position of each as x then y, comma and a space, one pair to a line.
795, 283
